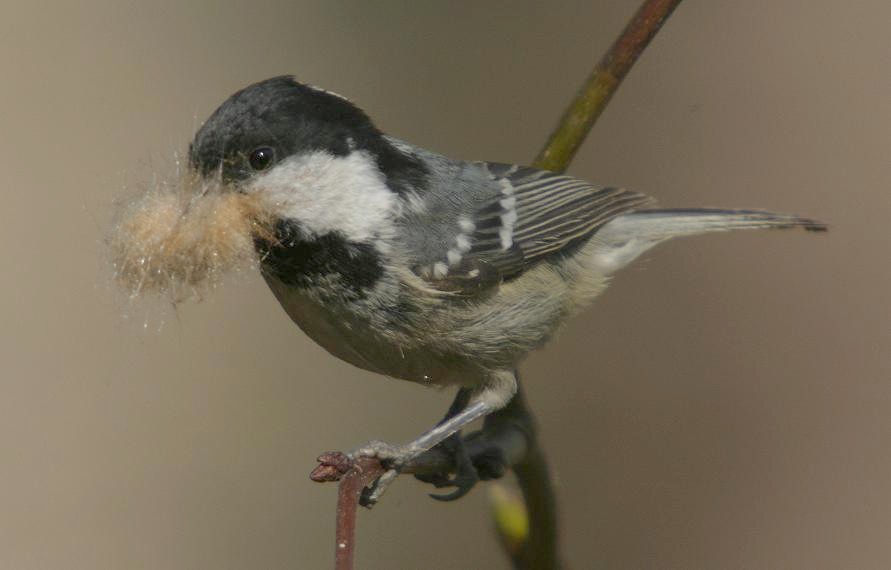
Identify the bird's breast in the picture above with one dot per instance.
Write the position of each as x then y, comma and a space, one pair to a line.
349, 334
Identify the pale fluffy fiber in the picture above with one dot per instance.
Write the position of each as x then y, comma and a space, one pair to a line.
179, 239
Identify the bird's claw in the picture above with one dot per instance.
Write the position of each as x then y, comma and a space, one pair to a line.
389, 455
465, 477
392, 458
373, 493
490, 464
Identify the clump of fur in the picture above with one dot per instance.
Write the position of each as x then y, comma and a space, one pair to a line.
179, 239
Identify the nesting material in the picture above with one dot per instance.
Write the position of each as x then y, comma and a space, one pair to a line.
179, 239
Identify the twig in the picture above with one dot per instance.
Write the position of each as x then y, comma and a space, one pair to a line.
517, 445
540, 550
354, 476
600, 86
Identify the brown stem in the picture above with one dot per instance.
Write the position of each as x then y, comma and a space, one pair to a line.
354, 476
592, 98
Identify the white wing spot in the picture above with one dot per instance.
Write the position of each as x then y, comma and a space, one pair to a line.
463, 243
507, 238
510, 216
507, 228
466, 225
440, 270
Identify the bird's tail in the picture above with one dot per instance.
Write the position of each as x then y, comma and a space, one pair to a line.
681, 222
627, 236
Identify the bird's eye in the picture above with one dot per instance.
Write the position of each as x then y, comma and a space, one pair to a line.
261, 158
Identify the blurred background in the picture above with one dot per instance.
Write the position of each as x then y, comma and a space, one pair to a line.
726, 404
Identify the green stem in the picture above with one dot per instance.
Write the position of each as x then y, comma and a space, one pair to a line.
540, 551
600, 86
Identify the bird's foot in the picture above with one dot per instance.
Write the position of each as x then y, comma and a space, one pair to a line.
465, 475
489, 461
392, 458
486, 464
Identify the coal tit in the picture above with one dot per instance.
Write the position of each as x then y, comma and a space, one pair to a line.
416, 266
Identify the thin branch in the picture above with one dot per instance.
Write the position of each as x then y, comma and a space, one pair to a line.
354, 476
541, 550
600, 86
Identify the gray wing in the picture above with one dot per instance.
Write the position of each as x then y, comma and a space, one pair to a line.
533, 216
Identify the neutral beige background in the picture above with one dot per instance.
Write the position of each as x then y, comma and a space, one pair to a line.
727, 404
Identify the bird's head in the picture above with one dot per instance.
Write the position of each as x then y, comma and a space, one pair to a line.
313, 155
276, 153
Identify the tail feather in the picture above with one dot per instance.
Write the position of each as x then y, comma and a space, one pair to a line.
677, 222
629, 235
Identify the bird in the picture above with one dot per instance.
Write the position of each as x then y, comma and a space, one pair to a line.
413, 265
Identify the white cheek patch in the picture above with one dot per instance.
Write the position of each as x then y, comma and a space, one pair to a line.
327, 193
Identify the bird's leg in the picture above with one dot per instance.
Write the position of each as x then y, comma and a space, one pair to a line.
480, 402
441, 478
488, 446
482, 455
465, 475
